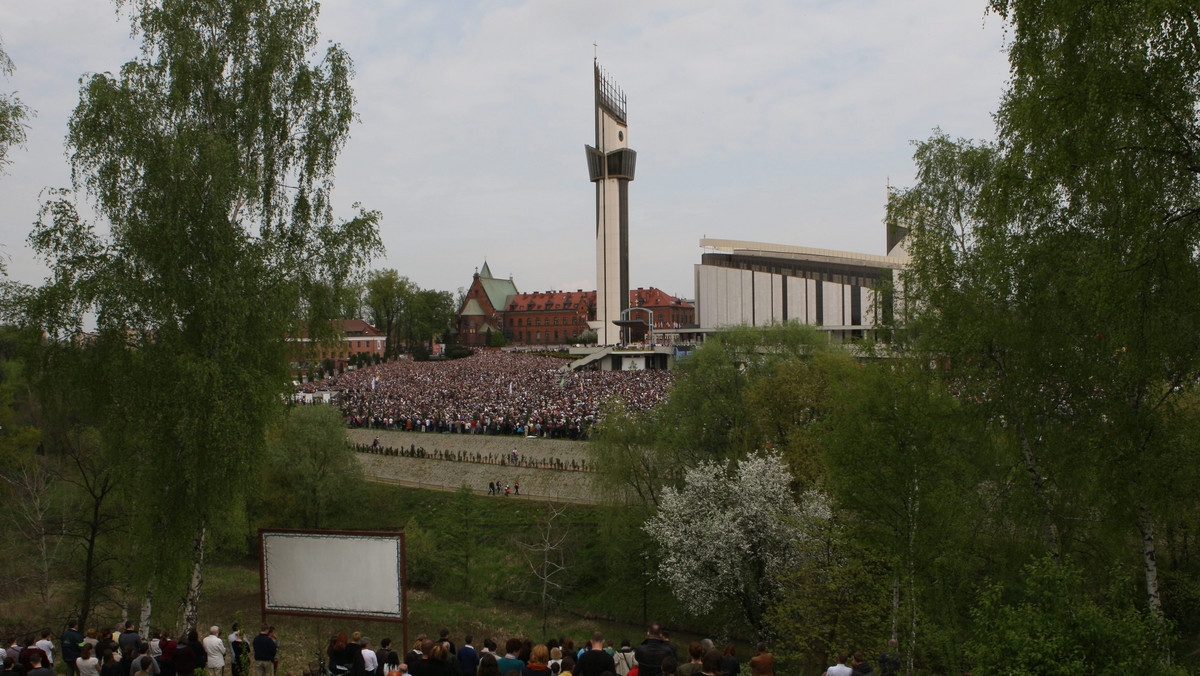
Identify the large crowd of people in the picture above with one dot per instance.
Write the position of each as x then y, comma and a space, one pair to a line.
126, 652
491, 392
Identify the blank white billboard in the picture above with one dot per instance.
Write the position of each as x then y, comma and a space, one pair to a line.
333, 573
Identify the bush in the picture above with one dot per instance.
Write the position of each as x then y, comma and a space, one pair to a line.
458, 352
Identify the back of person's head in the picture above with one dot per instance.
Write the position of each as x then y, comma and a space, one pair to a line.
445, 633
858, 657
439, 652
143, 647
488, 665
427, 647
761, 647
695, 650
556, 653
35, 658
193, 635
214, 630
85, 651
8, 663
490, 644
597, 637
539, 655
144, 663
356, 637
841, 658
340, 641
711, 662
468, 639
128, 625
624, 643
669, 665
654, 630
556, 668
385, 643
568, 662
730, 650
512, 646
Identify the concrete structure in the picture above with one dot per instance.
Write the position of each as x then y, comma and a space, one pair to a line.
757, 284
611, 167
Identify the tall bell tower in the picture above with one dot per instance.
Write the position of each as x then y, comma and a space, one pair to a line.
610, 165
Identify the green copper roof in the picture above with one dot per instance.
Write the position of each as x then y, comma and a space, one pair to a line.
485, 272
498, 291
472, 308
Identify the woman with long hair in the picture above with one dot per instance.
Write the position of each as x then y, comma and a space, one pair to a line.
87, 663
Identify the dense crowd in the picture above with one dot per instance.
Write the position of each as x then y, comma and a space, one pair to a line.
126, 652
489, 393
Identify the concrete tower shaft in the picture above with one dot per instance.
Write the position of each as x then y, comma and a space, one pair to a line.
610, 166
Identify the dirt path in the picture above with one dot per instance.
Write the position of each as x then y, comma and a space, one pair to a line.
542, 484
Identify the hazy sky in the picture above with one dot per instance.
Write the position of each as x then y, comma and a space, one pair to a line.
776, 120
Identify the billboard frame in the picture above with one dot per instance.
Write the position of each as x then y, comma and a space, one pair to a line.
262, 576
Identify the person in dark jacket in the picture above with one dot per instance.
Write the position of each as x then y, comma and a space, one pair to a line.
69, 644
652, 651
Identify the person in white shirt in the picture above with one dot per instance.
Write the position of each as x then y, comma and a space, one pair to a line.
215, 650
370, 659
840, 669
47, 647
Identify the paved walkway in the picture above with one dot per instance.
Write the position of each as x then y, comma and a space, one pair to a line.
536, 483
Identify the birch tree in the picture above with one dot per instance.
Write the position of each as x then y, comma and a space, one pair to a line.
209, 159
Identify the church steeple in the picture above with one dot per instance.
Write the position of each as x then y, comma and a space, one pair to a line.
485, 271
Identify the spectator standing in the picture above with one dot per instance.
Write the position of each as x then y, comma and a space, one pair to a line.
264, 650
47, 646
839, 669
468, 657
623, 658
889, 661
128, 640
69, 644
861, 666
762, 664
652, 651
729, 661
369, 658
87, 664
510, 662
596, 660
215, 651
37, 667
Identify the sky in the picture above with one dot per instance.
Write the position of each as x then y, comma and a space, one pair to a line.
779, 121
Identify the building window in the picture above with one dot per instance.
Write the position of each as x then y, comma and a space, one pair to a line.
538, 322
556, 324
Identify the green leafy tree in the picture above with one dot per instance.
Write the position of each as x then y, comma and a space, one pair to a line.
727, 400
211, 159
1055, 272
388, 296
13, 115
430, 315
309, 473
1050, 624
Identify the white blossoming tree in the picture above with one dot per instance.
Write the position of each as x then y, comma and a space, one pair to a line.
729, 533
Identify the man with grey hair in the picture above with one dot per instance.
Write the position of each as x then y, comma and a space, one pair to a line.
215, 650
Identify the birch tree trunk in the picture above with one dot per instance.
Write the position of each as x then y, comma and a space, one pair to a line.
191, 602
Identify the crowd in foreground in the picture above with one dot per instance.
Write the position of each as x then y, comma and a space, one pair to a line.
491, 392
126, 652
